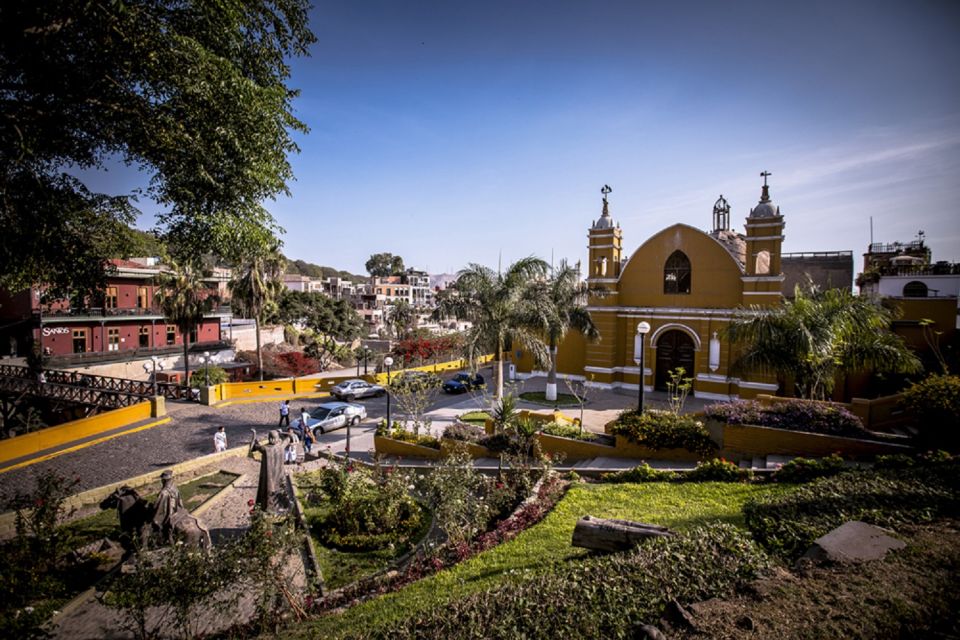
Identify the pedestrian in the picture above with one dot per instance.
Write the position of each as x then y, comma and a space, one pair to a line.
290, 452
284, 413
305, 432
220, 440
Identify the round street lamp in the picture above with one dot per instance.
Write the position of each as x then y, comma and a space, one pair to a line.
388, 362
642, 330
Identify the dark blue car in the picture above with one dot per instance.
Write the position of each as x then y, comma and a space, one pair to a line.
463, 382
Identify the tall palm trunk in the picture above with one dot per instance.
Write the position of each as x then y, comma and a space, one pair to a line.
499, 370
186, 358
551, 390
256, 326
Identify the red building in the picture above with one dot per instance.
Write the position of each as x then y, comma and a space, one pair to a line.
129, 323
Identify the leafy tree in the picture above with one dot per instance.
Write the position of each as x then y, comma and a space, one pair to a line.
502, 308
565, 296
325, 350
320, 313
192, 93
384, 264
184, 299
256, 283
402, 318
818, 335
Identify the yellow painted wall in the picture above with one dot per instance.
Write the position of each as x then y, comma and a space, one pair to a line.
715, 275
60, 435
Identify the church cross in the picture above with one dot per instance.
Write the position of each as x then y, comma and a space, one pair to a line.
605, 190
764, 174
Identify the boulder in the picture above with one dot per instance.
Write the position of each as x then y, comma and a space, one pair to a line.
853, 541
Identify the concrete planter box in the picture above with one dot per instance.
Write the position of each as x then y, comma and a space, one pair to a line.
447, 445
743, 441
390, 447
574, 450
627, 449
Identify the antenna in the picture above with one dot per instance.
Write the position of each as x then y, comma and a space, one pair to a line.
871, 230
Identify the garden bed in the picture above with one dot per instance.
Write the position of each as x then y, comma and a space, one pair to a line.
744, 441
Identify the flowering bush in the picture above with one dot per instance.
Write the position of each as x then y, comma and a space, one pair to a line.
795, 414
664, 430
364, 509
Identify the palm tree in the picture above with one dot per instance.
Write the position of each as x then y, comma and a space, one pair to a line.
184, 299
566, 296
254, 288
818, 335
402, 318
502, 309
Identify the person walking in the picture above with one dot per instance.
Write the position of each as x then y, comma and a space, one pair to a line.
284, 413
290, 452
305, 433
220, 440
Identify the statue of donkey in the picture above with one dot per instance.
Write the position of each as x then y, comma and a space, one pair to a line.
136, 520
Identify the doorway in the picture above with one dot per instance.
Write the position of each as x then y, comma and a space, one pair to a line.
674, 349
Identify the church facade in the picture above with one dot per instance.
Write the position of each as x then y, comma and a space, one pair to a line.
685, 285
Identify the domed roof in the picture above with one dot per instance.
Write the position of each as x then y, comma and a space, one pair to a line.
765, 208
605, 221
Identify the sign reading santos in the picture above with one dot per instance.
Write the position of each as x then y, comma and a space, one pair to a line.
50, 331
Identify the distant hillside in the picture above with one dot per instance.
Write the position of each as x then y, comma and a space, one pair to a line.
317, 271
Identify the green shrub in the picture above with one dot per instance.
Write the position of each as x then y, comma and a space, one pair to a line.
934, 404
716, 470
640, 473
464, 432
399, 432
567, 431
788, 524
208, 376
807, 469
663, 430
606, 596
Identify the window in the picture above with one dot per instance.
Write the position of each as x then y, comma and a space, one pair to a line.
915, 289
171, 334
676, 273
763, 263
193, 334
79, 340
113, 339
143, 298
144, 336
110, 301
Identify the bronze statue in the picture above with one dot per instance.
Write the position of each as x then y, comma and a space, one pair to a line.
271, 494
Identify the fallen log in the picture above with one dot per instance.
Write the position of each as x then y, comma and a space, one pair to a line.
604, 534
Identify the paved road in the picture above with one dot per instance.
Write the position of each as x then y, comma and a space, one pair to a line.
190, 434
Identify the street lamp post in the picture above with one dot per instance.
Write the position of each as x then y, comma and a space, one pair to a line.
388, 362
155, 361
642, 330
206, 369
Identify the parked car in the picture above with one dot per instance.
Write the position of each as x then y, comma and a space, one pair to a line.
351, 390
332, 415
463, 382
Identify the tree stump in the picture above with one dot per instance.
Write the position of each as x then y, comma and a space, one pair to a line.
602, 534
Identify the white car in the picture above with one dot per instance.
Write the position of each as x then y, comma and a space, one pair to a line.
332, 415
351, 390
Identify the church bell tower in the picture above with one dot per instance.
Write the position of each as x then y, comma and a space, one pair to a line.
605, 241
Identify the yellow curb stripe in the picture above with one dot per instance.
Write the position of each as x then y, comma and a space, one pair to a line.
83, 445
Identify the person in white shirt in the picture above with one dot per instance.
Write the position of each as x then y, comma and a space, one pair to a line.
220, 440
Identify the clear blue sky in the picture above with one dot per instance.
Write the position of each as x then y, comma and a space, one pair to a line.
450, 131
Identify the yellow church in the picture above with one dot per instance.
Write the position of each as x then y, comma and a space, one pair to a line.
682, 285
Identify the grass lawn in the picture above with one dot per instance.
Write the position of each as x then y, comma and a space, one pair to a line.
475, 417
546, 546
540, 397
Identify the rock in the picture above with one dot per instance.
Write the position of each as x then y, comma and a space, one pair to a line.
649, 632
678, 617
745, 623
852, 541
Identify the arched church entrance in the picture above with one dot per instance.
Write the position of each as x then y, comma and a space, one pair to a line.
674, 349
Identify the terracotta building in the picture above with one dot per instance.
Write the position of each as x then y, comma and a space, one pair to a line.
685, 284
128, 324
